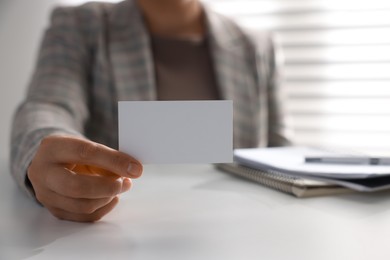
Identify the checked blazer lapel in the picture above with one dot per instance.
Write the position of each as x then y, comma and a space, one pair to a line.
235, 69
130, 53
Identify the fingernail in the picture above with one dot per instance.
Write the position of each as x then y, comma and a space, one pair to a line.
134, 170
129, 168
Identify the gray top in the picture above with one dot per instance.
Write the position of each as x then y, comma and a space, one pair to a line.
184, 69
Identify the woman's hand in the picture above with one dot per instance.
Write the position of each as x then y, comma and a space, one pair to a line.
79, 180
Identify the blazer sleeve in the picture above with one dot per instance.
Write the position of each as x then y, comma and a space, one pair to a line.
57, 96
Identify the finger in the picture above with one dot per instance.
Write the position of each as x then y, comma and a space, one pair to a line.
82, 186
95, 216
91, 170
51, 199
67, 149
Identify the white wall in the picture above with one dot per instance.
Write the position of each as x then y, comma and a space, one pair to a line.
21, 26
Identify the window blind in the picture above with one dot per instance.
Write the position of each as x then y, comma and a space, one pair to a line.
337, 66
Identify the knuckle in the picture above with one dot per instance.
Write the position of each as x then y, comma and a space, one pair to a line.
46, 147
114, 189
37, 180
57, 213
47, 142
99, 214
87, 151
31, 172
86, 208
94, 217
40, 197
75, 189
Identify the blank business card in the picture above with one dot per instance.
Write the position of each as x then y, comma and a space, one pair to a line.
157, 132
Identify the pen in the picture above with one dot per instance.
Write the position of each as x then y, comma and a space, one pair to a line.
348, 160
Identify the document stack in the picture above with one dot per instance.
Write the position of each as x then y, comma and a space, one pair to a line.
307, 172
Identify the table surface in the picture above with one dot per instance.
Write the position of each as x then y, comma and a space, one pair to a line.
196, 212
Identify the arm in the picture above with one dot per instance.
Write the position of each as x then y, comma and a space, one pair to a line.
75, 179
56, 101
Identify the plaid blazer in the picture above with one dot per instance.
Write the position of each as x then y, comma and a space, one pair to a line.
96, 54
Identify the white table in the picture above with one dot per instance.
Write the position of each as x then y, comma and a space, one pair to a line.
195, 212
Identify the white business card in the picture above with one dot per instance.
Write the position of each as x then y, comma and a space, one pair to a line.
156, 132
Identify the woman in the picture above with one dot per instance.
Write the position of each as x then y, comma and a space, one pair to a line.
98, 53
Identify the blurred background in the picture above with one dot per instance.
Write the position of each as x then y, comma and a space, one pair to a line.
337, 63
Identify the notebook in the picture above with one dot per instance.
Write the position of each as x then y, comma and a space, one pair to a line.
296, 186
291, 161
